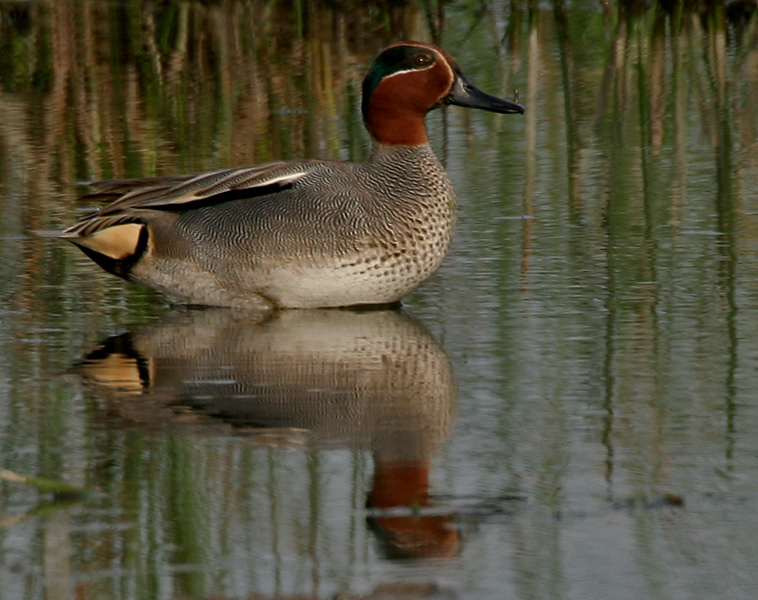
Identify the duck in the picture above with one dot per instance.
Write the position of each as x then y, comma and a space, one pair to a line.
299, 233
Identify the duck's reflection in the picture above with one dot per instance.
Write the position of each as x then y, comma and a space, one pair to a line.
360, 379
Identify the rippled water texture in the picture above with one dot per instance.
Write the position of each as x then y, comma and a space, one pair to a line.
567, 409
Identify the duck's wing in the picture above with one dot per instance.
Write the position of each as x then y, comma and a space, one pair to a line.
117, 230
177, 192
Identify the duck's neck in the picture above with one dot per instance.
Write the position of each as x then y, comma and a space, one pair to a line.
392, 124
399, 132
392, 153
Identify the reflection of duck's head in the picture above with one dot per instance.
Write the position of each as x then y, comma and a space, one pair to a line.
362, 379
400, 502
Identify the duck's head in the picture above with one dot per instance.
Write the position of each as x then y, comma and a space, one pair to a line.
409, 79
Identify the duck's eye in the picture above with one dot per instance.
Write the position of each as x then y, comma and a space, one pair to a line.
422, 60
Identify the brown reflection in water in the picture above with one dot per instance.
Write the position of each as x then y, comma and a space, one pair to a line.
656, 79
373, 380
406, 484
679, 91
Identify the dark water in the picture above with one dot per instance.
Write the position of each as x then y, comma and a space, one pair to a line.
566, 410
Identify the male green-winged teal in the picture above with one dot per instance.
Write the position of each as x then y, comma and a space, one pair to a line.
300, 233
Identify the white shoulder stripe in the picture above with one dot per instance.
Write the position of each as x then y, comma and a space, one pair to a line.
288, 178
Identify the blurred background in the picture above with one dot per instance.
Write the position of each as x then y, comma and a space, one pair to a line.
565, 410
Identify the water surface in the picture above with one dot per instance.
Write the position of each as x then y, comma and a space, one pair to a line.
565, 410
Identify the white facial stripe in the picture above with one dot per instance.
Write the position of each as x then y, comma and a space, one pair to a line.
408, 71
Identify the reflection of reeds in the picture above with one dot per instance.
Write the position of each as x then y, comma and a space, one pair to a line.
672, 75
182, 86
531, 144
572, 143
726, 202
